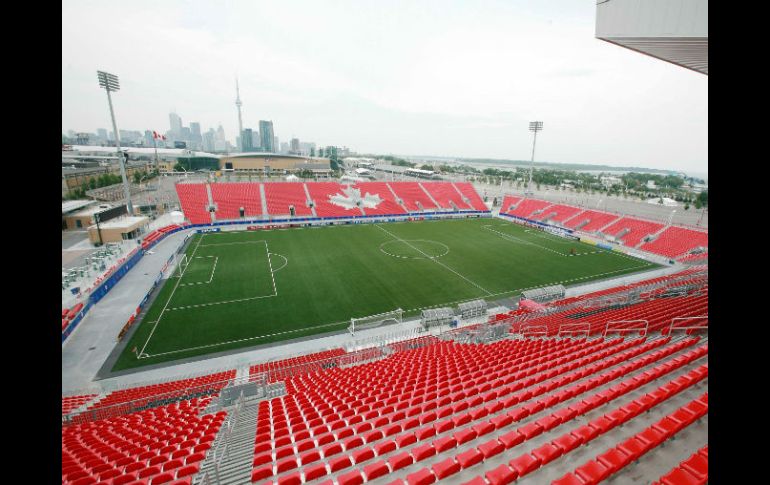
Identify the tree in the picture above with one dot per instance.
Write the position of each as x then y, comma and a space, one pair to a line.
179, 167
687, 206
703, 197
426, 167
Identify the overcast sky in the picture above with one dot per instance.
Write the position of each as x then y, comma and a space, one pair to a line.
442, 78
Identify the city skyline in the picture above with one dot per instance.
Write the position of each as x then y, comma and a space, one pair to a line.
440, 79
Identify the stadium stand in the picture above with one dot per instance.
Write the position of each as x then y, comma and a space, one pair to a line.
320, 192
278, 369
282, 195
693, 470
676, 241
71, 403
694, 258
467, 189
631, 231
230, 197
590, 220
454, 406
215, 381
411, 193
558, 213
157, 235
194, 200
156, 445
528, 206
509, 201
388, 206
446, 195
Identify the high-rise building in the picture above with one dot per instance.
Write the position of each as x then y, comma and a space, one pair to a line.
266, 136
195, 135
284, 147
294, 149
148, 139
102, 134
246, 140
176, 124
209, 140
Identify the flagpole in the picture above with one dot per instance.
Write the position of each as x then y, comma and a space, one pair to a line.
155, 142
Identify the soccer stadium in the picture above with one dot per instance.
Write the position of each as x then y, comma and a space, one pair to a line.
388, 331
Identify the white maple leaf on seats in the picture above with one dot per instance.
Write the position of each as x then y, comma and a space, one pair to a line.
352, 198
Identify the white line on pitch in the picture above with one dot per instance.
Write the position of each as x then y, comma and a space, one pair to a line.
432, 259
168, 301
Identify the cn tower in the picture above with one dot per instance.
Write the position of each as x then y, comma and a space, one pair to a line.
240, 121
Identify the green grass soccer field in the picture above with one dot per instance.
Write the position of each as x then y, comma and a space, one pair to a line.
242, 289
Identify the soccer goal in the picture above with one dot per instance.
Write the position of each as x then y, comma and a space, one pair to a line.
181, 266
373, 321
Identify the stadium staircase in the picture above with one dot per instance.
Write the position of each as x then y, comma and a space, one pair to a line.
229, 462
652, 237
211, 201
438, 206
264, 199
398, 200
309, 200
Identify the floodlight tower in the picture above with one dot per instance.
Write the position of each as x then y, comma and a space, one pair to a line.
534, 126
110, 83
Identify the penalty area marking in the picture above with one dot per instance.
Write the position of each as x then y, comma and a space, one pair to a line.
285, 261
211, 277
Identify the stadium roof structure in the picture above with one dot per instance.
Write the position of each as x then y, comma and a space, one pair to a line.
72, 205
123, 222
143, 151
675, 31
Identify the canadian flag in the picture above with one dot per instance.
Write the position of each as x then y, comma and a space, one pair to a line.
158, 136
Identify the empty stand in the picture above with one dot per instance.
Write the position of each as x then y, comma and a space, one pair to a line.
558, 213
446, 195
411, 193
590, 220
528, 206
631, 231
388, 206
320, 192
194, 201
676, 241
282, 195
467, 189
508, 202
230, 197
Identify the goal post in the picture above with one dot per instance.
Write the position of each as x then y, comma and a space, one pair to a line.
372, 321
181, 266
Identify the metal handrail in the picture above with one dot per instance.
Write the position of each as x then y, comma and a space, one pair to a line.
671, 325
580, 328
645, 329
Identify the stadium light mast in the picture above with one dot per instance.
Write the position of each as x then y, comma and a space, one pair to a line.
110, 83
534, 126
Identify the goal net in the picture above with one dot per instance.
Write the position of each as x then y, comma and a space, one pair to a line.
181, 266
373, 321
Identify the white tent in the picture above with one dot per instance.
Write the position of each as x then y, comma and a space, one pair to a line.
176, 217
292, 178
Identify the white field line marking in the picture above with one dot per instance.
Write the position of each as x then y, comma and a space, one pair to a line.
272, 276
169, 300
286, 261
240, 242
345, 322
515, 239
432, 259
211, 277
275, 291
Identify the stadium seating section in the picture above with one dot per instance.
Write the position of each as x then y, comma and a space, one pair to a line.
388, 206
508, 202
409, 197
281, 196
279, 369
528, 206
595, 220
676, 241
558, 213
70, 403
194, 200
466, 188
230, 197
637, 229
446, 195
411, 193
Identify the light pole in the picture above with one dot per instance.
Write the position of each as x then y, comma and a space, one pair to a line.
110, 83
671, 217
534, 126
